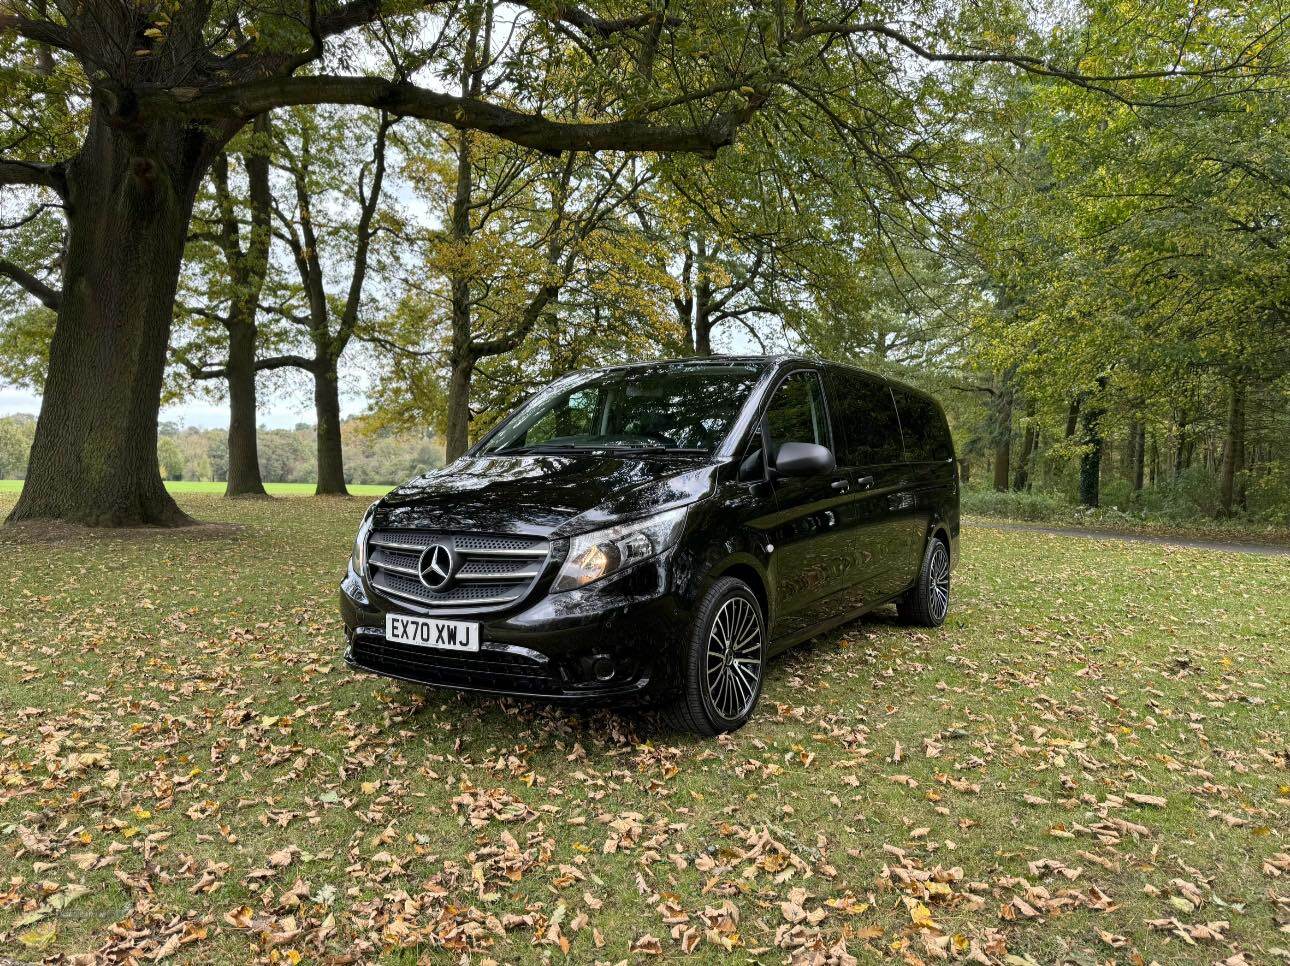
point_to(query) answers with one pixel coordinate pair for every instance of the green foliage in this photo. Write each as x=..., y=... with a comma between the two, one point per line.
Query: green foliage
x=373, y=455
x=171, y=458
x=16, y=433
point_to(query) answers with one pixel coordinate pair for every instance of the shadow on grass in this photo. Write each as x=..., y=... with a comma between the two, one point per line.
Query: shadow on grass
x=497, y=717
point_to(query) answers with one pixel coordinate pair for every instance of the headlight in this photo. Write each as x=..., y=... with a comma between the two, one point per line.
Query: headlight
x=603, y=552
x=358, y=557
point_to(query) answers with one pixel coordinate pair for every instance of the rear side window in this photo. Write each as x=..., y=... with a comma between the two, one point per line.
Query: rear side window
x=927, y=436
x=865, y=422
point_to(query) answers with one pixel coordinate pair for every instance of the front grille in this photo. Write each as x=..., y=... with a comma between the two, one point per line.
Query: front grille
x=490, y=570
x=498, y=669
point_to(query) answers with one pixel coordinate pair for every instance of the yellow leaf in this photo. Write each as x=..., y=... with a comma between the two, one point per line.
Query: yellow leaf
x=38, y=937
x=920, y=915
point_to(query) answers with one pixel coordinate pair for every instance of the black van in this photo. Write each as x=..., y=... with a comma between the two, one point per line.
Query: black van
x=658, y=531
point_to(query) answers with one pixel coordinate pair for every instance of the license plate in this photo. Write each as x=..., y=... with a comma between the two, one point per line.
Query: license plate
x=424, y=632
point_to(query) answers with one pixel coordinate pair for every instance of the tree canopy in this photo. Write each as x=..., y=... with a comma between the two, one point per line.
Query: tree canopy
x=937, y=186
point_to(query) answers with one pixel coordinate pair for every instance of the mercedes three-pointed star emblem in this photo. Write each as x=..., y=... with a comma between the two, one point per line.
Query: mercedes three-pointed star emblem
x=436, y=566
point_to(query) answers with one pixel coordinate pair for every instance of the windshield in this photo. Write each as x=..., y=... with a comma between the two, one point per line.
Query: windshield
x=685, y=407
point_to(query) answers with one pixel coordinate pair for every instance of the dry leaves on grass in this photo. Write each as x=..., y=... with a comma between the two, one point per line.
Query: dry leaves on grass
x=187, y=773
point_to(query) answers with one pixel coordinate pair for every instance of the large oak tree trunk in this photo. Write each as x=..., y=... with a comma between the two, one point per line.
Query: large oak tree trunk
x=243, y=448
x=331, y=460
x=129, y=200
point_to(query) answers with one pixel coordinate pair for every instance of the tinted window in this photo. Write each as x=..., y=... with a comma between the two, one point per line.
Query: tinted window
x=796, y=413
x=573, y=415
x=673, y=406
x=927, y=437
x=864, y=419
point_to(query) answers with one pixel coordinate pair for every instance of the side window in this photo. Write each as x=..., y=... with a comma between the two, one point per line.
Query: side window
x=796, y=413
x=865, y=419
x=574, y=416
x=927, y=437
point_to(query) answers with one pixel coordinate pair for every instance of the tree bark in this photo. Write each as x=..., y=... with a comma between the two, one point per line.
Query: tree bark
x=1090, y=463
x=243, y=447
x=1021, y=480
x=130, y=196
x=702, y=301
x=457, y=428
x=1139, y=431
x=247, y=269
x=1234, y=448
x=1003, y=444
x=1072, y=416
x=1180, y=451
x=331, y=460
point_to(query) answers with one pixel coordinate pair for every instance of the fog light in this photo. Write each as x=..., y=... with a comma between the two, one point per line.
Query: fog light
x=603, y=668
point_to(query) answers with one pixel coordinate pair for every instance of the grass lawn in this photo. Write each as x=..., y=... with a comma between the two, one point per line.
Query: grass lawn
x=1049, y=510
x=200, y=486
x=1088, y=763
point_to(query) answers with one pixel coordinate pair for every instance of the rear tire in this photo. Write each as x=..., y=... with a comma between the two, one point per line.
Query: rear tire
x=724, y=663
x=928, y=601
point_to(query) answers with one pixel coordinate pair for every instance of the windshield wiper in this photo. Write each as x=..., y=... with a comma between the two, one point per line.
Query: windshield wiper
x=654, y=448
x=544, y=448
x=642, y=448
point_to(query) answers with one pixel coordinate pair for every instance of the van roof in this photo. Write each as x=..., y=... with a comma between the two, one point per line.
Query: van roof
x=776, y=359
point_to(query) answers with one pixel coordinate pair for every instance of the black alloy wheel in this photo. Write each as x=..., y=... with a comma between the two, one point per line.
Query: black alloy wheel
x=928, y=601
x=724, y=662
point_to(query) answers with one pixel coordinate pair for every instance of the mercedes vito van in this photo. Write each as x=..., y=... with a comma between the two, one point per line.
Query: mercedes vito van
x=658, y=532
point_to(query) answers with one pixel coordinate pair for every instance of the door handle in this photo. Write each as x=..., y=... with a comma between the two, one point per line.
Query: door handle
x=842, y=486
x=864, y=482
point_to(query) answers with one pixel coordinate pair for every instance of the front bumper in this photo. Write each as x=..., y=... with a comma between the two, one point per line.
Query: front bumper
x=556, y=648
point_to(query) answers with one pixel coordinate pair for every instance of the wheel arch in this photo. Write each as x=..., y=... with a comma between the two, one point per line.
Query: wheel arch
x=939, y=529
x=745, y=568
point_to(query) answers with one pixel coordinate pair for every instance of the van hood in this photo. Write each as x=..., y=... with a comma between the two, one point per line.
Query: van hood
x=555, y=495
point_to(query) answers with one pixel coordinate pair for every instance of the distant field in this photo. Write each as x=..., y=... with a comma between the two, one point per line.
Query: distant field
x=277, y=489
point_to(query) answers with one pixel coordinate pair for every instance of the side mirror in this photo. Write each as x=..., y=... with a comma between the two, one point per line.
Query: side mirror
x=803, y=459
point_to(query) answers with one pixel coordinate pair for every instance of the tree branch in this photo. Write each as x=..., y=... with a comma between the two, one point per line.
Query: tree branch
x=368, y=205
x=50, y=298
x=285, y=362
x=1036, y=65
x=591, y=24
x=202, y=370
x=40, y=31
x=36, y=175
x=246, y=100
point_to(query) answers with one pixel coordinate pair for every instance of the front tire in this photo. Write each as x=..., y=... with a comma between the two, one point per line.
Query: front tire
x=724, y=662
x=928, y=601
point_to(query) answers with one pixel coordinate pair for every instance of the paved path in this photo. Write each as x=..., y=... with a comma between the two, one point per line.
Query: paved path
x=1269, y=549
